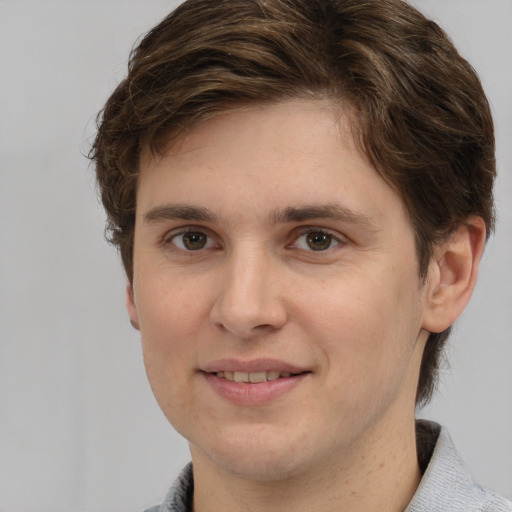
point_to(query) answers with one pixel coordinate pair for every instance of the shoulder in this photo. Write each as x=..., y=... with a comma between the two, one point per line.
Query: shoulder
x=179, y=497
x=447, y=484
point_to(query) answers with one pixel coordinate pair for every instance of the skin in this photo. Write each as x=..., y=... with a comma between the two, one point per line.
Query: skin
x=302, y=254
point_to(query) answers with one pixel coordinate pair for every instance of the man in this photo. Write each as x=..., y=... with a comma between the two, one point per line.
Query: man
x=301, y=191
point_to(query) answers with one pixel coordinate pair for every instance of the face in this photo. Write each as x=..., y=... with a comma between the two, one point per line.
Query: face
x=277, y=293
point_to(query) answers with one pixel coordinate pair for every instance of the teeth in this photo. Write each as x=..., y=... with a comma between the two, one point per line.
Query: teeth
x=254, y=377
x=241, y=377
x=258, y=377
x=273, y=375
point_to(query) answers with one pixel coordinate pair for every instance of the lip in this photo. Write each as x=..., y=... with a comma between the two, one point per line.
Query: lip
x=258, y=394
x=252, y=366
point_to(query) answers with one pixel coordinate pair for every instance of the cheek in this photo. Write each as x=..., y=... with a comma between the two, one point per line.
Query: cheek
x=171, y=323
x=169, y=360
x=171, y=308
x=366, y=325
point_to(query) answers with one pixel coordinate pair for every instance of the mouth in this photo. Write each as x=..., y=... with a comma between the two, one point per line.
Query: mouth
x=255, y=377
x=255, y=383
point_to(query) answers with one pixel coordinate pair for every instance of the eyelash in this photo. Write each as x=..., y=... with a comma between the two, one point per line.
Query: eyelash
x=333, y=241
x=336, y=239
x=169, y=238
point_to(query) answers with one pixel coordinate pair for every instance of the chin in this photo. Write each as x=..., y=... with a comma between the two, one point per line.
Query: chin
x=257, y=455
x=261, y=467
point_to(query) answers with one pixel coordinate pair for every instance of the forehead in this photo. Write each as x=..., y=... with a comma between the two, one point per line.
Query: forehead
x=269, y=157
x=224, y=126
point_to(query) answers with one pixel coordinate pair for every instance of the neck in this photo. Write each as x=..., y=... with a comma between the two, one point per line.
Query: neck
x=383, y=476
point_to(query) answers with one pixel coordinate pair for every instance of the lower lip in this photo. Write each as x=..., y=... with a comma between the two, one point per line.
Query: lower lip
x=242, y=393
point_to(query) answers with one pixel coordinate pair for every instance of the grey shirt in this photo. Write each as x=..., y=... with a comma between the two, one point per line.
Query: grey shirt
x=446, y=485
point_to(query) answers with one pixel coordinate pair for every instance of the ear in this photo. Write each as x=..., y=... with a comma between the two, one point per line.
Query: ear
x=452, y=275
x=131, y=307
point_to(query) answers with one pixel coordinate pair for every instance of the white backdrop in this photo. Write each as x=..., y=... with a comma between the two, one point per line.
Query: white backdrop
x=79, y=428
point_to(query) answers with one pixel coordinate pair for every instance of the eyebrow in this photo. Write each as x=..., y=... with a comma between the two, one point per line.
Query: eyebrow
x=281, y=216
x=328, y=211
x=182, y=212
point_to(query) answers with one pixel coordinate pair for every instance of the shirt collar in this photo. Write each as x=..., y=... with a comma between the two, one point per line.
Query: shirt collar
x=446, y=483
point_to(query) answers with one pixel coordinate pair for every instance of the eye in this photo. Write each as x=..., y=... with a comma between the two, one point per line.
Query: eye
x=316, y=240
x=191, y=240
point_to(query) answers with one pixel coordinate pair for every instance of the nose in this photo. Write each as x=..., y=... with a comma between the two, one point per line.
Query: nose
x=250, y=300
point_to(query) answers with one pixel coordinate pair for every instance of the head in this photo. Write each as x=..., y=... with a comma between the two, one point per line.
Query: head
x=418, y=112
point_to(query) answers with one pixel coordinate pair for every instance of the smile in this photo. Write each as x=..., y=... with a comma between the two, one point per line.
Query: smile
x=253, y=377
x=256, y=388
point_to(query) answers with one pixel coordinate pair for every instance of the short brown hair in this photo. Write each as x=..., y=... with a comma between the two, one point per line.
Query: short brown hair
x=422, y=117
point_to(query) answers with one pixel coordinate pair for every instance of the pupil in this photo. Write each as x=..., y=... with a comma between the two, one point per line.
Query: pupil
x=194, y=240
x=319, y=241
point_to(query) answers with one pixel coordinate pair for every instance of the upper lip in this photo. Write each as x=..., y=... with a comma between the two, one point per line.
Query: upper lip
x=252, y=366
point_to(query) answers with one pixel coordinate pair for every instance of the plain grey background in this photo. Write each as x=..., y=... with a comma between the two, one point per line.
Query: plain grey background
x=79, y=428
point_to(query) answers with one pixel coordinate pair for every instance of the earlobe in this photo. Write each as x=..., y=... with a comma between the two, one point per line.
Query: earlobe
x=131, y=307
x=452, y=275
